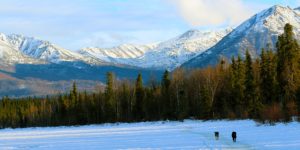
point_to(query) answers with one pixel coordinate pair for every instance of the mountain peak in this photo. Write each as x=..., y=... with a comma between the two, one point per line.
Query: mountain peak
x=254, y=34
x=278, y=7
x=189, y=34
x=164, y=55
x=273, y=18
x=3, y=37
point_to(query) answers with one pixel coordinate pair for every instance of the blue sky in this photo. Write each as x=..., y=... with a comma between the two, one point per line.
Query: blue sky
x=75, y=24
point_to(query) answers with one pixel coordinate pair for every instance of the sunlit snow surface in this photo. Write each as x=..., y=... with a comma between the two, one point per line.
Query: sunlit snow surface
x=155, y=135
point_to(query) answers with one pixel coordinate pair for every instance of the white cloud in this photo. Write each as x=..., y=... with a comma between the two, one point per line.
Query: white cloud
x=212, y=12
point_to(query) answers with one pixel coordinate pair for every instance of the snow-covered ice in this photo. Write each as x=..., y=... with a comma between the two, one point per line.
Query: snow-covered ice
x=156, y=135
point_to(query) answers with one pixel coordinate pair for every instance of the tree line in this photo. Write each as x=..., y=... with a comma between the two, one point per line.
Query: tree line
x=266, y=89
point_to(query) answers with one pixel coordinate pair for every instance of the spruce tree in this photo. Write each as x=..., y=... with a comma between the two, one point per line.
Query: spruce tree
x=109, y=85
x=249, y=80
x=165, y=83
x=166, y=99
x=233, y=80
x=205, y=107
x=73, y=94
x=74, y=89
x=268, y=73
x=237, y=85
x=125, y=102
x=251, y=102
x=287, y=67
x=139, y=98
x=110, y=102
x=264, y=87
x=73, y=97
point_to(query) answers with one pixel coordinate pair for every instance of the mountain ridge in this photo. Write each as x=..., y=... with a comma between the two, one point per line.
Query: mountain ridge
x=164, y=55
x=160, y=56
x=256, y=33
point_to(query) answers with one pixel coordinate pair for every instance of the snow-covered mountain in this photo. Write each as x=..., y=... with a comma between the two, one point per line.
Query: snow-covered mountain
x=159, y=56
x=174, y=52
x=9, y=55
x=29, y=66
x=25, y=58
x=24, y=48
x=192, y=49
x=254, y=34
x=118, y=55
x=164, y=55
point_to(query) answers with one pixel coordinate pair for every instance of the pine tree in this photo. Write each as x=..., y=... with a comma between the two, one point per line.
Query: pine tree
x=233, y=80
x=264, y=87
x=74, y=90
x=249, y=81
x=287, y=68
x=268, y=73
x=165, y=83
x=125, y=102
x=237, y=85
x=110, y=101
x=73, y=94
x=139, y=98
x=109, y=86
x=166, y=99
x=251, y=102
x=288, y=54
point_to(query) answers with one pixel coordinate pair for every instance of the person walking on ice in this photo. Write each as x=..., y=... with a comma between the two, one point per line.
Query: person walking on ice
x=233, y=135
x=217, y=135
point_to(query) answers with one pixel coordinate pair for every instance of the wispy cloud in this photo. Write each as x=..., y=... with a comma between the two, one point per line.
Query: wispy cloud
x=212, y=12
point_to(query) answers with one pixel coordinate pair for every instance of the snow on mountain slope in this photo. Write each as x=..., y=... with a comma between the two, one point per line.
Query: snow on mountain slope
x=165, y=55
x=125, y=51
x=172, y=53
x=272, y=19
x=43, y=50
x=254, y=34
x=9, y=55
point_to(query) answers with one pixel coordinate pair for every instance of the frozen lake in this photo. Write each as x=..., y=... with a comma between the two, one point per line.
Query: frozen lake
x=156, y=135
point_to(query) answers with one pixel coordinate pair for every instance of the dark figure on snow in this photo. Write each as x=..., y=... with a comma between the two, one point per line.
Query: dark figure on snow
x=233, y=136
x=217, y=135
